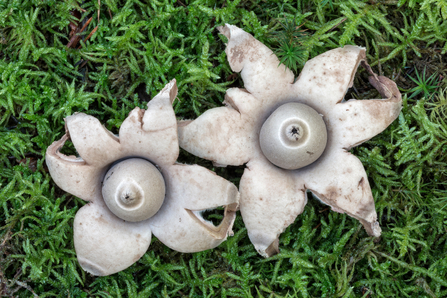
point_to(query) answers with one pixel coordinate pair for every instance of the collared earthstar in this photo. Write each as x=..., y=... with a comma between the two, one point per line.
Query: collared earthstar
x=293, y=135
x=135, y=188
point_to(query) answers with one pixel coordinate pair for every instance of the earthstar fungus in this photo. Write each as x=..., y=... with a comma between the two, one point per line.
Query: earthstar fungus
x=135, y=188
x=282, y=162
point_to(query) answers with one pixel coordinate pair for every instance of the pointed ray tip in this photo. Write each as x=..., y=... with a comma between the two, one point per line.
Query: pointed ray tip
x=372, y=228
x=376, y=231
x=173, y=89
x=167, y=88
x=225, y=30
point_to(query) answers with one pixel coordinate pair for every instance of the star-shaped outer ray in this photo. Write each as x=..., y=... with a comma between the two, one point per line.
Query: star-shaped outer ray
x=271, y=198
x=106, y=244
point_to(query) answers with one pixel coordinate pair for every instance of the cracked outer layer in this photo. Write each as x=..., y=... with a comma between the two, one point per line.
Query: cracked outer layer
x=271, y=198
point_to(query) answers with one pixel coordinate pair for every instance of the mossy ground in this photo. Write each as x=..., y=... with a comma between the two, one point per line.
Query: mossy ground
x=137, y=48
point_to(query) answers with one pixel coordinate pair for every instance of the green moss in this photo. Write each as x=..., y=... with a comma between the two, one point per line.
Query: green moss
x=138, y=47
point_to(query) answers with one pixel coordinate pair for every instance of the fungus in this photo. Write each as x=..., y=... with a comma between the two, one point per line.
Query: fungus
x=135, y=188
x=293, y=137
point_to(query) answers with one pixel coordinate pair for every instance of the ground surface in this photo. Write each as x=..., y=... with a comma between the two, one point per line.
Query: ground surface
x=135, y=49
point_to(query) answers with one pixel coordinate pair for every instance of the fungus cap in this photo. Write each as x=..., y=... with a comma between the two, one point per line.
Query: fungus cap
x=133, y=189
x=293, y=136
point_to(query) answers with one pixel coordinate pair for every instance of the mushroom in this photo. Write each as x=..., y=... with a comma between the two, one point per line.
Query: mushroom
x=135, y=188
x=293, y=136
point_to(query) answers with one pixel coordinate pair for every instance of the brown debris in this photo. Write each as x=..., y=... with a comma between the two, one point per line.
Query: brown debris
x=31, y=161
x=76, y=29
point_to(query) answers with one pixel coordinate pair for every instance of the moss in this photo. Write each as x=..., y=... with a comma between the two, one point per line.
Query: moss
x=138, y=46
